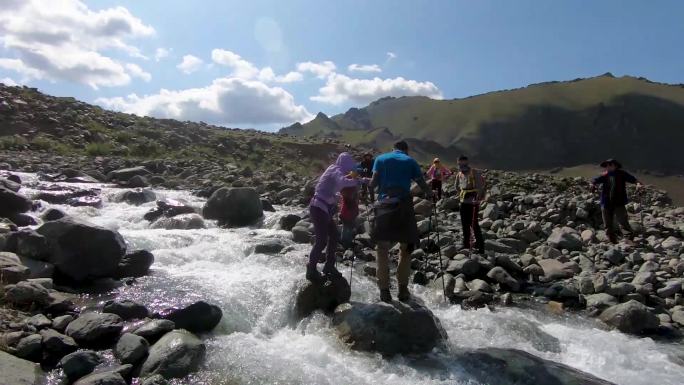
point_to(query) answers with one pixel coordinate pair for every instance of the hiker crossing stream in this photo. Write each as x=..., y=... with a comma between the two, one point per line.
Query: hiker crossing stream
x=255, y=342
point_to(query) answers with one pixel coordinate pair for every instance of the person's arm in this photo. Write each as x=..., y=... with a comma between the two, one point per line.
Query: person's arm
x=431, y=172
x=375, y=180
x=420, y=180
x=598, y=180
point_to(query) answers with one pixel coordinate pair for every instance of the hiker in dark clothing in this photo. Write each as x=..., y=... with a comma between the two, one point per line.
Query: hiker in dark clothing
x=365, y=170
x=613, y=183
x=471, y=188
x=395, y=219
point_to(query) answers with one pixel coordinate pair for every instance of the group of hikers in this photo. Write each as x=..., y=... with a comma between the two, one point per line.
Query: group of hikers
x=391, y=175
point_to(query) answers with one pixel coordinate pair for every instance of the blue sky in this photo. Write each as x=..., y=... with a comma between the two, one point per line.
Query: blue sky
x=268, y=63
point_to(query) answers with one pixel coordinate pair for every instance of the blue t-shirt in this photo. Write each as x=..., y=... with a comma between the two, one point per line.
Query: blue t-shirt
x=395, y=171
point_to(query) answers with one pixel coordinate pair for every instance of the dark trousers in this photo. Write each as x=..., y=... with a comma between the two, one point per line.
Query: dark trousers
x=367, y=193
x=436, y=186
x=611, y=214
x=326, y=233
x=468, y=220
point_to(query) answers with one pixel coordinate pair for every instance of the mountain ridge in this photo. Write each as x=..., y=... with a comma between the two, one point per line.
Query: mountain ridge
x=564, y=121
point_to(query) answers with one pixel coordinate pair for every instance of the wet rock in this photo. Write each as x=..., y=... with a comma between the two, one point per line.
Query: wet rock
x=565, y=238
x=156, y=379
x=131, y=349
x=554, y=269
x=52, y=215
x=234, y=206
x=525, y=368
x=153, y=330
x=471, y=300
x=95, y=329
x=12, y=203
x=38, y=321
x=26, y=293
x=136, y=197
x=467, y=267
x=301, y=234
x=137, y=181
x=180, y=222
x=16, y=371
x=198, y=317
x=500, y=275
x=56, y=345
x=60, y=323
x=82, y=251
x=389, y=329
x=325, y=296
x=287, y=222
x=175, y=355
x=267, y=206
x=135, y=264
x=630, y=317
x=126, y=309
x=28, y=243
x=30, y=348
x=79, y=364
x=108, y=377
x=168, y=208
x=614, y=255
x=271, y=246
x=11, y=269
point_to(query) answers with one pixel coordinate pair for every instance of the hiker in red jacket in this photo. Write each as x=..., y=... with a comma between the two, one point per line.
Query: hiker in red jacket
x=613, y=183
x=349, y=211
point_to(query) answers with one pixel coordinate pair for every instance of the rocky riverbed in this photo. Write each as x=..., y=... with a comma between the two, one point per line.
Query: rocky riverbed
x=227, y=286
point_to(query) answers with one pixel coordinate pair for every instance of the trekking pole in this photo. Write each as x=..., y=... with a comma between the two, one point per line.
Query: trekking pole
x=439, y=255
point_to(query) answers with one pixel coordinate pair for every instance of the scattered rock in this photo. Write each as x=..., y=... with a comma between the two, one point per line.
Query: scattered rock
x=78, y=364
x=131, y=349
x=565, y=238
x=126, y=309
x=199, y=317
x=630, y=317
x=95, y=329
x=136, y=197
x=135, y=264
x=153, y=330
x=325, y=296
x=177, y=354
x=16, y=371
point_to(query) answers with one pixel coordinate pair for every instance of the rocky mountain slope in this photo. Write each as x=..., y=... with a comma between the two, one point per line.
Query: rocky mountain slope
x=48, y=126
x=541, y=126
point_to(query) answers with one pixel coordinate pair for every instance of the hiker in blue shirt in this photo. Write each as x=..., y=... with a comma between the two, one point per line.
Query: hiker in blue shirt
x=395, y=219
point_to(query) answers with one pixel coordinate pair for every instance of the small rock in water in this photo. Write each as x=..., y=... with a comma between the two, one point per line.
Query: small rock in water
x=198, y=317
x=95, y=328
x=175, y=355
x=79, y=364
x=630, y=317
x=126, y=309
x=325, y=296
x=135, y=264
x=131, y=349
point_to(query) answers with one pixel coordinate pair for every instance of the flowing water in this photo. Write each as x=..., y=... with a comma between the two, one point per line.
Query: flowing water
x=254, y=343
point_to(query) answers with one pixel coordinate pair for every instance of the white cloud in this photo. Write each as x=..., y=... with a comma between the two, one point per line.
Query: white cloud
x=321, y=69
x=8, y=82
x=340, y=89
x=244, y=69
x=364, y=68
x=161, y=53
x=65, y=40
x=138, y=72
x=391, y=55
x=241, y=67
x=190, y=64
x=227, y=101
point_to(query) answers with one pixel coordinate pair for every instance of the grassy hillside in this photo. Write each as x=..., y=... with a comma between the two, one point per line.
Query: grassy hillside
x=539, y=126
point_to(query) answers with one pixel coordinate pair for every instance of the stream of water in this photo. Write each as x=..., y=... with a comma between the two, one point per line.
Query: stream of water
x=254, y=343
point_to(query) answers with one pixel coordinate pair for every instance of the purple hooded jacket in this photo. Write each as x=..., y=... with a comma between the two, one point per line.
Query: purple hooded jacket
x=332, y=181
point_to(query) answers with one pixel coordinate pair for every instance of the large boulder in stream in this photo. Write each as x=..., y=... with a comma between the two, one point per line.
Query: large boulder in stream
x=389, y=329
x=325, y=296
x=82, y=251
x=175, y=355
x=510, y=366
x=234, y=206
x=136, y=196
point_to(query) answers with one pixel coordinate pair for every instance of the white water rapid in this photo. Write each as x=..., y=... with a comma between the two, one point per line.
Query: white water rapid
x=254, y=344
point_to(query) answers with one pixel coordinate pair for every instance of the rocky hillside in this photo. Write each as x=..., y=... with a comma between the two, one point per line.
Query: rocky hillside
x=48, y=126
x=541, y=126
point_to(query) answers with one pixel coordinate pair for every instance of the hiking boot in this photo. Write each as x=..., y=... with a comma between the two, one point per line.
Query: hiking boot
x=331, y=271
x=312, y=274
x=385, y=296
x=404, y=294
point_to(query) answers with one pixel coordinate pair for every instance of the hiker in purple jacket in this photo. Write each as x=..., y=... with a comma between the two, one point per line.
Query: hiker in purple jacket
x=322, y=210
